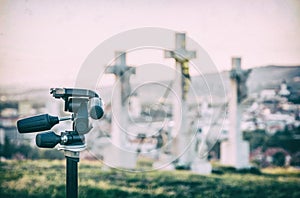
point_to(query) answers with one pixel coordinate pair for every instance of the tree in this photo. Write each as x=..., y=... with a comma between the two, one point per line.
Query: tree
x=285, y=140
x=279, y=159
x=256, y=138
x=8, y=149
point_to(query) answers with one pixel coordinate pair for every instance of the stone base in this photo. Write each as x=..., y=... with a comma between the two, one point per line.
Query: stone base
x=235, y=155
x=164, y=163
x=201, y=166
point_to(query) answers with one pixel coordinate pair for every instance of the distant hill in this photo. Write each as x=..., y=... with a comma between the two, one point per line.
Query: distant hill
x=272, y=76
x=267, y=77
x=260, y=78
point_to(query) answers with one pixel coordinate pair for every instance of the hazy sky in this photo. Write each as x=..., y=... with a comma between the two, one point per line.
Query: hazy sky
x=44, y=43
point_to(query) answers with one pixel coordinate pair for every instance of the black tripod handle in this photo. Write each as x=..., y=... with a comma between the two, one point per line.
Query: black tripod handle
x=47, y=139
x=37, y=123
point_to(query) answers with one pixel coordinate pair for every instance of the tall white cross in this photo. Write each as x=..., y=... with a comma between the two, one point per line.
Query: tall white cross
x=180, y=108
x=235, y=151
x=119, y=104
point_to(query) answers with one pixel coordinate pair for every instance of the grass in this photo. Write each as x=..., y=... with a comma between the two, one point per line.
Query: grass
x=47, y=179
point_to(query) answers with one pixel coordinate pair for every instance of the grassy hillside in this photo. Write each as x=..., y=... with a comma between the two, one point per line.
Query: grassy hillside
x=47, y=179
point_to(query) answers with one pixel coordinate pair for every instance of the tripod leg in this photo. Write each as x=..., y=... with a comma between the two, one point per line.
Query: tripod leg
x=72, y=177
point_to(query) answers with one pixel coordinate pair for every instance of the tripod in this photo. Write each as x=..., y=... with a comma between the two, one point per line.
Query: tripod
x=83, y=104
x=72, y=159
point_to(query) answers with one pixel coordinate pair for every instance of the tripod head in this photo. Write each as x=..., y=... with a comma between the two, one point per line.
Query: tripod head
x=82, y=103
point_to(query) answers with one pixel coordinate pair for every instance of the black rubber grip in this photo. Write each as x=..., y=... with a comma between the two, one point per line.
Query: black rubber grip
x=47, y=139
x=37, y=123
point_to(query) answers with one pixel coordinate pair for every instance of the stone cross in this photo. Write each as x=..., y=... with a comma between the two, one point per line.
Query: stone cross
x=180, y=108
x=119, y=155
x=235, y=151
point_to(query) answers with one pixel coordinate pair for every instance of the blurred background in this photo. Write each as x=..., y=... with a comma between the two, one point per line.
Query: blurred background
x=43, y=44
